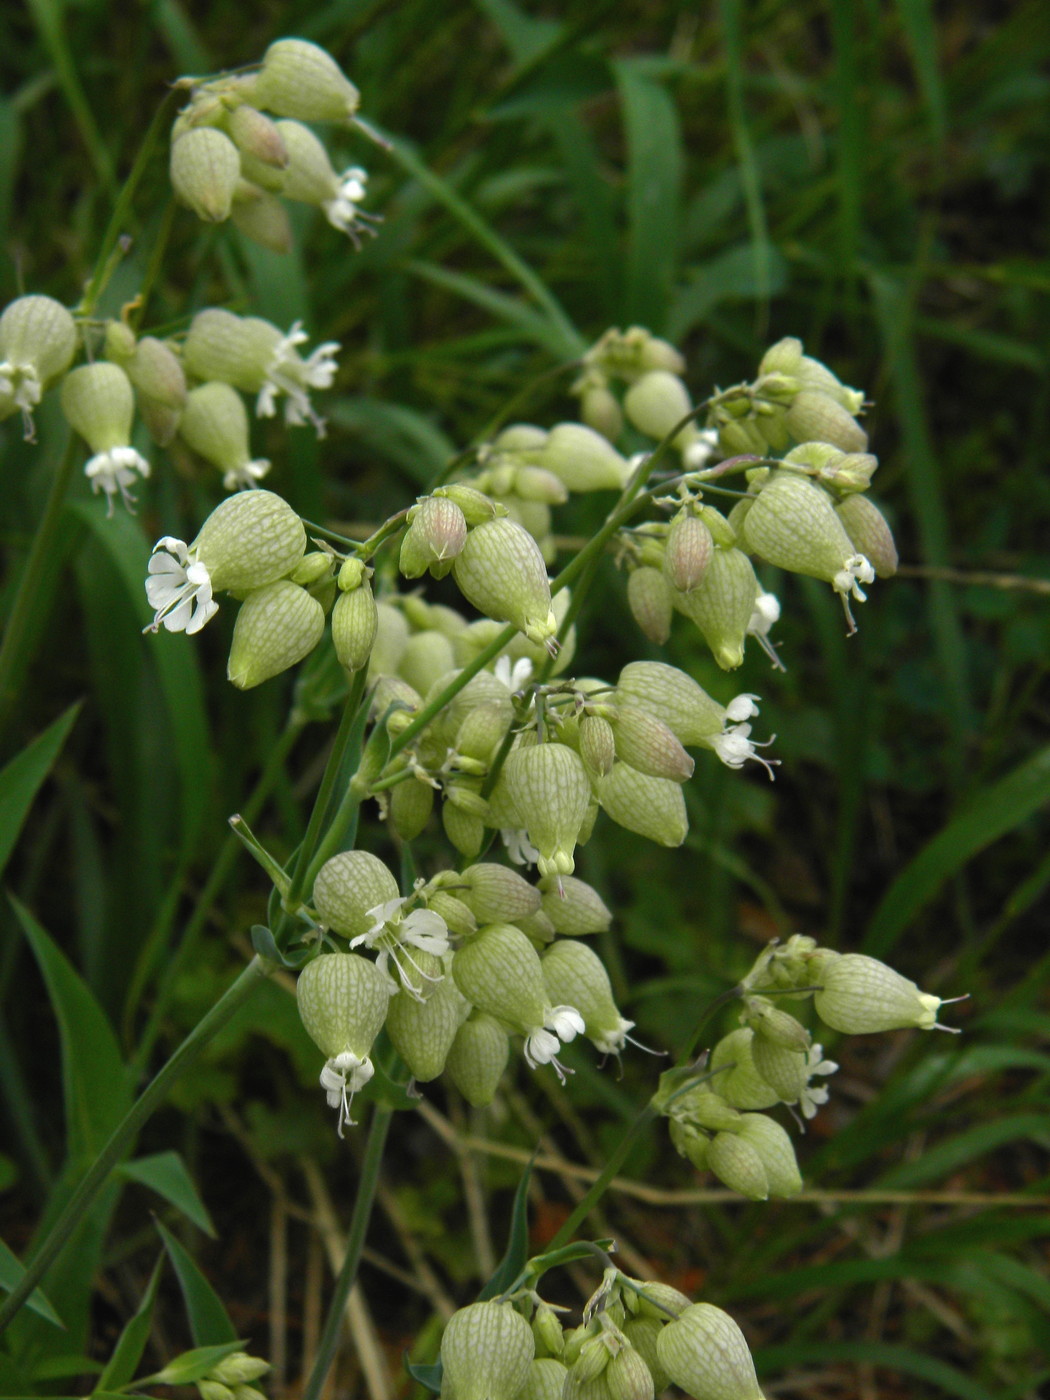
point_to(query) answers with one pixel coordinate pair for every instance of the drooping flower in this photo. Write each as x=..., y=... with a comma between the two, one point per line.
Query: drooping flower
x=392, y=931
x=813, y=1095
x=99, y=403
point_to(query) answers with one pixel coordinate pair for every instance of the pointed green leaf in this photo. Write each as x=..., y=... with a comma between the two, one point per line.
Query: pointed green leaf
x=20, y=781
x=193, y=1365
x=131, y=1343
x=95, y=1083
x=654, y=185
x=11, y=1272
x=513, y=1261
x=210, y=1325
x=165, y=1173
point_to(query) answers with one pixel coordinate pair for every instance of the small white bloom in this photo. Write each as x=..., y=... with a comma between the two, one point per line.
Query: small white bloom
x=742, y=707
x=341, y=1078
x=734, y=747
x=855, y=571
x=178, y=589
x=115, y=471
x=813, y=1095
x=519, y=848
x=392, y=931
x=566, y=1022
x=699, y=451
x=244, y=478
x=20, y=385
x=561, y=1024
x=514, y=675
x=343, y=209
x=766, y=612
x=289, y=374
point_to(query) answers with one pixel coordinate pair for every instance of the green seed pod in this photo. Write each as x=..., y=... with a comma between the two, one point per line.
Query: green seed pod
x=214, y=1390
x=301, y=80
x=658, y=401
x=705, y=1353
x=783, y=1070
x=776, y=1151
x=537, y=928
x=422, y=1032
x=308, y=177
x=649, y=745
x=261, y=217
x=549, y=1335
x=673, y=697
x=486, y=1352
x=722, y=605
x=651, y=807
x=549, y=787
x=276, y=626
x=477, y=508
x=771, y=1023
x=815, y=375
x=742, y=1085
x=482, y=732
x=237, y=350
x=250, y=540
x=343, y=1000
x=689, y=1142
x=534, y=486
x=160, y=386
x=205, y=168
x=477, y=1058
x=642, y=1332
x=355, y=621
x=576, y=976
x=793, y=524
x=239, y=1369
x=869, y=533
x=546, y=1378
x=501, y=571
x=785, y=357
x=459, y=918
x=600, y=411
x=256, y=136
x=860, y=996
x=706, y=1109
x=688, y=551
x=98, y=403
x=582, y=459
x=436, y=533
x=597, y=745
x=627, y=1377
x=574, y=908
x=465, y=830
x=737, y=1164
x=649, y=598
x=347, y=887
x=495, y=894
x=214, y=423
x=411, y=804
x=816, y=417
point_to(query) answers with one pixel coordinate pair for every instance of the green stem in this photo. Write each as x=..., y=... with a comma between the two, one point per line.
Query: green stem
x=601, y=1184
x=113, y=1152
x=366, y=1190
x=24, y=611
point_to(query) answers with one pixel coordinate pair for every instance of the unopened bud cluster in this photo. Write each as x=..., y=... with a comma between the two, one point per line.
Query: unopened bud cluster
x=636, y=1339
x=239, y=147
x=717, y=1120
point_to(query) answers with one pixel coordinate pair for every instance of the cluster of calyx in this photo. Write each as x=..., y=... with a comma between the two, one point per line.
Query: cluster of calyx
x=716, y=1116
x=794, y=436
x=452, y=971
x=230, y=160
x=231, y=1378
x=636, y=1339
x=184, y=389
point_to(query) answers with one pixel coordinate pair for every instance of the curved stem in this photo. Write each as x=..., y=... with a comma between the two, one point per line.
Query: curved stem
x=113, y=1152
x=24, y=611
x=366, y=1190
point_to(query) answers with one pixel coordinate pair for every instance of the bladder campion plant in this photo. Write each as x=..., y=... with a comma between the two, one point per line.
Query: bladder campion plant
x=484, y=719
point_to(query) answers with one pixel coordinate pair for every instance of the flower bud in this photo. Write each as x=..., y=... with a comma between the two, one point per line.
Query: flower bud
x=574, y=908
x=546, y=1378
x=649, y=745
x=214, y=1390
x=497, y=894
x=261, y=217
x=477, y=508
x=736, y=1163
x=250, y=540
x=308, y=177
x=348, y=887
x=459, y=918
x=597, y=745
x=600, y=410
x=501, y=571
x=722, y=605
x=642, y=1332
x=343, y=1000
x=464, y=829
x=437, y=532
x=784, y=1070
x=704, y=1352
x=477, y=1058
x=771, y=1023
x=256, y=136
x=815, y=417
x=734, y=1075
x=582, y=459
x=658, y=401
x=422, y=1032
x=411, y=803
x=649, y=598
x=486, y=1352
x=815, y=375
x=205, y=168
x=276, y=626
x=239, y=1369
x=99, y=403
x=160, y=384
x=215, y=424
x=784, y=357
x=860, y=995
x=688, y=551
x=549, y=787
x=301, y=80
x=869, y=533
x=355, y=620
x=575, y=975
x=651, y=807
x=689, y=1142
x=627, y=1377
x=775, y=1150
x=704, y=1108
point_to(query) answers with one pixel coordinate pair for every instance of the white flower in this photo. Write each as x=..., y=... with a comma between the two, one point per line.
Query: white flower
x=178, y=589
x=699, y=451
x=393, y=931
x=855, y=571
x=811, y=1096
x=514, y=675
x=244, y=477
x=114, y=471
x=341, y=1078
x=766, y=612
x=561, y=1024
x=519, y=848
x=289, y=374
x=342, y=210
x=20, y=385
x=734, y=748
x=742, y=707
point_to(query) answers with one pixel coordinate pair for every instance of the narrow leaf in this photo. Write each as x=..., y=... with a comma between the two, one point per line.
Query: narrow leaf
x=11, y=1272
x=165, y=1173
x=654, y=186
x=131, y=1344
x=210, y=1325
x=21, y=780
x=513, y=1261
